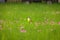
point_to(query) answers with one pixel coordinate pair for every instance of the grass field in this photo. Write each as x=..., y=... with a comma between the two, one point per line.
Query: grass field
x=45, y=24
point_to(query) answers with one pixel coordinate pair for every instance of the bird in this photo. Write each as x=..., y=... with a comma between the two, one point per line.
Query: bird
x=29, y=19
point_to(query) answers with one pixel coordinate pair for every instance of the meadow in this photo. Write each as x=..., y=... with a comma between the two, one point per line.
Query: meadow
x=44, y=25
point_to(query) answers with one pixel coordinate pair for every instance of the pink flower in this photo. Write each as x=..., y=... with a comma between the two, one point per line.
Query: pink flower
x=23, y=31
x=59, y=23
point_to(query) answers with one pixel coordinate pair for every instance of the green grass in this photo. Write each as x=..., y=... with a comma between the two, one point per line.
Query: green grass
x=13, y=15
